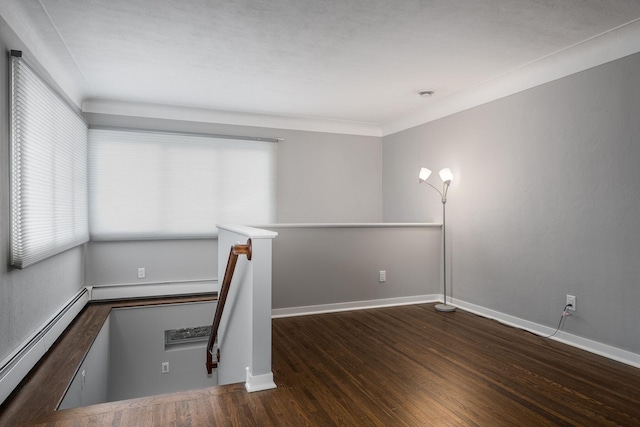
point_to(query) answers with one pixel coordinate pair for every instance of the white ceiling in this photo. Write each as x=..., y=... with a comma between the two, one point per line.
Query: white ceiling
x=346, y=60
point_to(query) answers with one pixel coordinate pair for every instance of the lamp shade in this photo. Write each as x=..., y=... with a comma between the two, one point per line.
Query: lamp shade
x=446, y=176
x=424, y=174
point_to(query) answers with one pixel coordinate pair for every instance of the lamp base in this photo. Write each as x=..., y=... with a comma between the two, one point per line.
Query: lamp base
x=445, y=308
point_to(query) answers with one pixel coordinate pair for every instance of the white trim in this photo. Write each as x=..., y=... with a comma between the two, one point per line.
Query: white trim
x=609, y=46
x=202, y=115
x=254, y=233
x=148, y=290
x=21, y=20
x=355, y=305
x=259, y=382
x=591, y=346
x=356, y=225
x=261, y=230
x=11, y=376
x=18, y=364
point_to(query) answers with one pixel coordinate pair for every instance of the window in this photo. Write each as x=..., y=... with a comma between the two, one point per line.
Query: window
x=155, y=185
x=48, y=170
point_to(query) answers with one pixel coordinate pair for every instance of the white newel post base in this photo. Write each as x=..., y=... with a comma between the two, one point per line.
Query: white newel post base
x=259, y=382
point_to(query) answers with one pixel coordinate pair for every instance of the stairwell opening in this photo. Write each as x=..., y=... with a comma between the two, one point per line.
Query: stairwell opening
x=145, y=351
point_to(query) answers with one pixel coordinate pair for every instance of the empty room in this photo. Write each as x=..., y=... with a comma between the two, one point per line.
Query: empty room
x=288, y=213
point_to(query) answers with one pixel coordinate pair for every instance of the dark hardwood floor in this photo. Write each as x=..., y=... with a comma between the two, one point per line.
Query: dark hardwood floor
x=398, y=366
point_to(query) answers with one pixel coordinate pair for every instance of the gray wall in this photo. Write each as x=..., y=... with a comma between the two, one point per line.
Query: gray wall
x=164, y=261
x=125, y=361
x=137, y=351
x=322, y=177
x=330, y=265
x=27, y=297
x=545, y=200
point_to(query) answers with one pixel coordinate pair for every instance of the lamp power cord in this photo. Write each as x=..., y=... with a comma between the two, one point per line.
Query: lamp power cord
x=564, y=315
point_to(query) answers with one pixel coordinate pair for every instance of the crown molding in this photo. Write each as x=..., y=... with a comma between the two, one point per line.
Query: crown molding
x=61, y=72
x=202, y=115
x=609, y=46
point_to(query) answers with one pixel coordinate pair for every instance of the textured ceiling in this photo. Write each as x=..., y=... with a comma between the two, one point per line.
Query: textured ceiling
x=349, y=60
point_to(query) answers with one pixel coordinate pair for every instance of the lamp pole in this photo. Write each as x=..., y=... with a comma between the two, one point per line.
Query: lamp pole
x=446, y=176
x=444, y=307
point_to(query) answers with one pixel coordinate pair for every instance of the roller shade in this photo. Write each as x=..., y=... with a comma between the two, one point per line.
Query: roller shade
x=157, y=185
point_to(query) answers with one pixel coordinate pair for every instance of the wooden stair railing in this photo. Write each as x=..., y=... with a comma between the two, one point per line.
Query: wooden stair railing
x=222, y=298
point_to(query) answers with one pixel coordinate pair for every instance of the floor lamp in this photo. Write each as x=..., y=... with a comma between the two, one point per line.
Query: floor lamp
x=446, y=176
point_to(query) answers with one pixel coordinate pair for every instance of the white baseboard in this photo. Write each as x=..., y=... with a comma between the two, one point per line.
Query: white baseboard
x=355, y=305
x=259, y=382
x=149, y=290
x=18, y=364
x=591, y=346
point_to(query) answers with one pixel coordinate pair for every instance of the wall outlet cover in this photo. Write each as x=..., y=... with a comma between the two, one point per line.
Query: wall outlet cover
x=571, y=300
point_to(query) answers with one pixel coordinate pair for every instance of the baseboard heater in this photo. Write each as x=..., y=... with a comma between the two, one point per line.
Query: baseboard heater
x=18, y=364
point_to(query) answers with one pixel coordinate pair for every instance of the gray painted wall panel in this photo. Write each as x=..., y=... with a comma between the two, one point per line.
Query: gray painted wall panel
x=544, y=203
x=164, y=261
x=327, y=265
x=137, y=351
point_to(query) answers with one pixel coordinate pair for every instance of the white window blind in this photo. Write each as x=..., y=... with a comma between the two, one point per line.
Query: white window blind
x=153, y=185
x=48, y=170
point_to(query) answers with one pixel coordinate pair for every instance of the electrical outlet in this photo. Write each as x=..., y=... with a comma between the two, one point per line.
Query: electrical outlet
x=142, y=273
x=571, y=300
x=165, y=367
x=383, y=276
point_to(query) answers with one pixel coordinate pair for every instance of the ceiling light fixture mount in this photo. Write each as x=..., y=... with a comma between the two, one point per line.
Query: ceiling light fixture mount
x=426, y=93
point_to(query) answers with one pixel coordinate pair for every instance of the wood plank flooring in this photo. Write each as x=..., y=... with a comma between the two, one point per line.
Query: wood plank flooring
x=398, y=366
